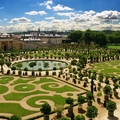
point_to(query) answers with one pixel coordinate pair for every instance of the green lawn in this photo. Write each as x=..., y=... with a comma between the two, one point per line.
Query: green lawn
x=57, y=99
x=5, y=79
x=22, y=81
x=55, y=87
x=24, y=87
x=110, y=67
x=20, y=96
x=14, y=108
x=3, y=89
x=44, y=80
x=113, y=47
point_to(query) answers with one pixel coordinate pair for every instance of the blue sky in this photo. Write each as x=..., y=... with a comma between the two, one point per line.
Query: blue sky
x=61, y=15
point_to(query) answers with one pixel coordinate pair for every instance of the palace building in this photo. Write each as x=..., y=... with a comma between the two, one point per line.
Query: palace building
x=32, y=40
x=6, y=41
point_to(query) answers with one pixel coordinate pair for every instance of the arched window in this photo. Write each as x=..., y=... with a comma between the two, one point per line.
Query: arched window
x=4, y=46
x=20, y=46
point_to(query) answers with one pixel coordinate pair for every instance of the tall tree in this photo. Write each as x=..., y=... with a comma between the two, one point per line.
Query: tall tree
x=75, y=36
x=101, y=39
x=88, y=36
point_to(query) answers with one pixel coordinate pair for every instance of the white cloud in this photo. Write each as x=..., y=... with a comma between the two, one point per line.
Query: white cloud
x=49, y=18
x=22, y=19
x=59, y=21
x=105, y=20
x=2, y=29
x=108, y=15
x=36, y=13
x=82, y=18
x=48, y=7
x=90, y=12
x=5, y=18
x=103, y=27
x=61, y=8
x=19, y=27
x=47, y=4
x=1, y=8
x=80, y=11
x=66, y=14
x=93, y=17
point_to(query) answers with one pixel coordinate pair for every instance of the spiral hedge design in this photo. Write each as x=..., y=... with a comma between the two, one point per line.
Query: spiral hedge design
x=27, y=95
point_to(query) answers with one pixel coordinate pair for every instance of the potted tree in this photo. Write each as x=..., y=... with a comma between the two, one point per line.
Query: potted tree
x=107, y=90
x=13, y=68
x=111, y=107
x=100, y=77
x=81, y=100
x=14, y=117
x=1, y=63
x=59, y=109
x=19, y=72
x=45, y=109
x=64, y=118
x=99, y=94
x=39, y=69
x=26, y=69
x=99, y=86
x=89, y=73
x=116, y=86
x=93, y=77
x=79, y=117
x=92, y=112
x=70, y=101
x=32, y=64
x=89, y=97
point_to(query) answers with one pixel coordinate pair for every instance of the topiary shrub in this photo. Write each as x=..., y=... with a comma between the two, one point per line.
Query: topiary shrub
x=19, y=72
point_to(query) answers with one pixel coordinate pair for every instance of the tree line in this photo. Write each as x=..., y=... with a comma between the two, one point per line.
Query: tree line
x=100, y=38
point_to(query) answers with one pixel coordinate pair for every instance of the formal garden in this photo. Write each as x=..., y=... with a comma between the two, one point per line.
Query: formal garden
x=86, y=76
x=24, y=96
x=88, y=81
